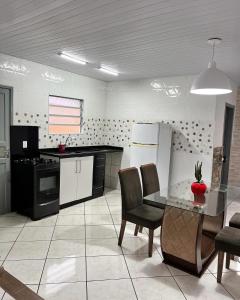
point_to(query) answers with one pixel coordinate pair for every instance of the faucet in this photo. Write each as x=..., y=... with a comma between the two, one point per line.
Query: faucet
x=67, y=140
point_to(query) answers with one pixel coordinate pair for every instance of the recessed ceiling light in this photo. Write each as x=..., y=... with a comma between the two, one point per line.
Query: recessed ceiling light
x=72, y=58
x=108, y=71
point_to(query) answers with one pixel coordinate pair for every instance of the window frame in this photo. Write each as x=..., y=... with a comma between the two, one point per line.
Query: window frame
x=80, y=116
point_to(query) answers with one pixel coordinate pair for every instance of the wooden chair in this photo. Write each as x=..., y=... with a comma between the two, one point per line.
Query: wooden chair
x=16, y=288
x=150, y=184
x=227, y=241
x=133, y=209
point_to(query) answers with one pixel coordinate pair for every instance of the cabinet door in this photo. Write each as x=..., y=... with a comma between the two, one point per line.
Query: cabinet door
x=68, y=180
x=84, y=176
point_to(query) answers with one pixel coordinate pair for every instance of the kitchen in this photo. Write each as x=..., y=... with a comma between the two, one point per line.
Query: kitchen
x=74, y=125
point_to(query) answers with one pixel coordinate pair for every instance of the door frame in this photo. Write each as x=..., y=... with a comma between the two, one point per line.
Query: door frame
x=231, y=106
x=10, y=89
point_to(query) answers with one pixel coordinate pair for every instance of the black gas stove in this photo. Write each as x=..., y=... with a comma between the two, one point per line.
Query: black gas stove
x=34, y=180
x=35, y=186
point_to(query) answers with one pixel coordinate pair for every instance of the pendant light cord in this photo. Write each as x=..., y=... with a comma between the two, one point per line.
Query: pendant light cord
x=213, y=51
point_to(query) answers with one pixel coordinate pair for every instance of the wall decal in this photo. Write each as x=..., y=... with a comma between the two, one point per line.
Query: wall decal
x=172, y=91
x=52, y=77
x=17, y=69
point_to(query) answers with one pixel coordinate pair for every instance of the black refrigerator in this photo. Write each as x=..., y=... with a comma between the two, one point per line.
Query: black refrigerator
x=23, y=142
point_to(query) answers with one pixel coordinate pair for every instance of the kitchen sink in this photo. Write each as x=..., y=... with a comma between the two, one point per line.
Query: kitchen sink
x=83, y=151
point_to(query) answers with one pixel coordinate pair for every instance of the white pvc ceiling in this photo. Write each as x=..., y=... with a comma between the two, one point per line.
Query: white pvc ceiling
x=139, y=38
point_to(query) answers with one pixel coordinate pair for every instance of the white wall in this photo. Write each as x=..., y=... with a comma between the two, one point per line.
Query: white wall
x=110, y=109
x=139, y=101
x=31, y=90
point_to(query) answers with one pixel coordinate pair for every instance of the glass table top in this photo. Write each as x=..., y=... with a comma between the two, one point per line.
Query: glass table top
x=212, y=203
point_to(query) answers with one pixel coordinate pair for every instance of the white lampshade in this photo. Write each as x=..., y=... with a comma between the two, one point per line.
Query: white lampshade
x=211, y=82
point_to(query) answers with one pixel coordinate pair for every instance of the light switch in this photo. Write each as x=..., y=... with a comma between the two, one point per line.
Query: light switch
x=25, y=144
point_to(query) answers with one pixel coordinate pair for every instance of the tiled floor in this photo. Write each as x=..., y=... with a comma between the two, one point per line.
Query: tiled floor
x=75, y=256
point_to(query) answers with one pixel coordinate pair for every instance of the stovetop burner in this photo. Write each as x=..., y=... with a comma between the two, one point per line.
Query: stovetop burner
x=35, y=161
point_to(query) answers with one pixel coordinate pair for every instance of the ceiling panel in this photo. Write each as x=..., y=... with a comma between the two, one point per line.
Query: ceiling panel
x=139, y=38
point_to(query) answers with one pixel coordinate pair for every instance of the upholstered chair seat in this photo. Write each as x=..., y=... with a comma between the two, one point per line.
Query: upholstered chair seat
x=235, y=221
x=227, y=240
x=146, y=216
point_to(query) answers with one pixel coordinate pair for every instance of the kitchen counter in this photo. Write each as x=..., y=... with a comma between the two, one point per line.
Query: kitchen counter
x=80, y=151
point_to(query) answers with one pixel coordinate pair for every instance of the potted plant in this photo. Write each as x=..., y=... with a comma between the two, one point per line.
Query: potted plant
x=198, y=187
x=61, y=148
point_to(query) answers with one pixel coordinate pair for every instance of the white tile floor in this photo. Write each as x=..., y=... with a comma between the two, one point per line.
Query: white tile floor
x=75, y=256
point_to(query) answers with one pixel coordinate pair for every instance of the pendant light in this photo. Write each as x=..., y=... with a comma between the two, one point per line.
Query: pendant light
x=212, y=81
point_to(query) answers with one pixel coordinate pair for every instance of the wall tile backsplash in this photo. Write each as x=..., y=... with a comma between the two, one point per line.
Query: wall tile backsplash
x=91, y=134
x=192, y=137
x=188, y=136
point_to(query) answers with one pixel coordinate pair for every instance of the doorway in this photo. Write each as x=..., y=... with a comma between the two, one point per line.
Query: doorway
x=227, y=139
x=5, y=120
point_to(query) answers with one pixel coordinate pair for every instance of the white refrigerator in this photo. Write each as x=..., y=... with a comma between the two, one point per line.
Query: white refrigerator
x=151, y=143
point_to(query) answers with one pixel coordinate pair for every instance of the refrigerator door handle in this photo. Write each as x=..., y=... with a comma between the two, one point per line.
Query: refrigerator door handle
x=139, y=145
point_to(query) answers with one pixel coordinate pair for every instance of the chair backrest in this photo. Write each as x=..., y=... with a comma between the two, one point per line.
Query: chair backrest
x=131, y=189
x=150, y=179
x=16, y=288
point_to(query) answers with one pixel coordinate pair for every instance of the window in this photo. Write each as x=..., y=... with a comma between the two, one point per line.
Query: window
x=65, y=115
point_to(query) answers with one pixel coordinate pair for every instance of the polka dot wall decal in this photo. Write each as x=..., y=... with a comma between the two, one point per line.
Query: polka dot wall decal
x=118, y=133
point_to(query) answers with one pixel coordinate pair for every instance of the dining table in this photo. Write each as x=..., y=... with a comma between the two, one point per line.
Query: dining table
x=191, y=222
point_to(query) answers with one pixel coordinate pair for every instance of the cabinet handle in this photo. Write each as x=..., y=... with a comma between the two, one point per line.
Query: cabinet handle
x=80, y=166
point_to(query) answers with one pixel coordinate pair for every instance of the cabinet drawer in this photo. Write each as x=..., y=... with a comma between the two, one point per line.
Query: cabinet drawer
x=99, y=172
x=99, y=159
x=98, y=192
x=98, y=182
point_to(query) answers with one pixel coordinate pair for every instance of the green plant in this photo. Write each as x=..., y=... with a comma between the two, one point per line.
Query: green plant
x=198, y=172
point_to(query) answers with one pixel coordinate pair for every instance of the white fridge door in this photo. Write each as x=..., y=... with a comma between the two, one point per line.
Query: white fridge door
x=145, y=133
x=143, y=154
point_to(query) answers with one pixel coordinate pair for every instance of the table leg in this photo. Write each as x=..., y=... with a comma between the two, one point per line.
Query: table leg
x=184, y=241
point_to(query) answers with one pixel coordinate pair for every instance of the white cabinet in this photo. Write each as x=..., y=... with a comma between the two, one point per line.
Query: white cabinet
x=68, y=180
x=76, y=175
x=84, y=176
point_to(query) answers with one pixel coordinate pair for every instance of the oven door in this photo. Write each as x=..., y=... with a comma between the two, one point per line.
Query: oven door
x=47, y=186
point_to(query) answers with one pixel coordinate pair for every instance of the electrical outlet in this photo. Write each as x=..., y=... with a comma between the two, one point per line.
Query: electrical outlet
x=25, y=144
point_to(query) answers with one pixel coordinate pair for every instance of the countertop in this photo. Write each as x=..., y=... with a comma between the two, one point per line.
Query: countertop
x=81, y=151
